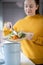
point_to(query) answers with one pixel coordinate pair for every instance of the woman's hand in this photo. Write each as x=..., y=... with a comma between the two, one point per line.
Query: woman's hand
x=7, y=28
x=8, y=25
x=29, y=35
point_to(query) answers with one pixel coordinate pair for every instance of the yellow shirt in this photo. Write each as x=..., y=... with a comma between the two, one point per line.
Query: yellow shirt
x=33, y=49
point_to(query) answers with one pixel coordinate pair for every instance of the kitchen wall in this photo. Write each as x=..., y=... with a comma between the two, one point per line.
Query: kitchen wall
x=1, y=26
x=11, y=12
x=1, y=19
x=1, y=16
x=41, y=7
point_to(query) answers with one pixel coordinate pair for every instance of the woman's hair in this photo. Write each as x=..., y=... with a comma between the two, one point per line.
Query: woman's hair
x=37, y=3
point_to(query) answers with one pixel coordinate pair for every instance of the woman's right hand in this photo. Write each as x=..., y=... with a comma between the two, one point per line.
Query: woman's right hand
x=7, y=28
x=8, y=25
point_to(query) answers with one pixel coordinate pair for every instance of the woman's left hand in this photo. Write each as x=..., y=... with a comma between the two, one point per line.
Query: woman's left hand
x=29, y=35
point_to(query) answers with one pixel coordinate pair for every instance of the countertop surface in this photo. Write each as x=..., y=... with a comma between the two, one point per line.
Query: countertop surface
x=22, y=64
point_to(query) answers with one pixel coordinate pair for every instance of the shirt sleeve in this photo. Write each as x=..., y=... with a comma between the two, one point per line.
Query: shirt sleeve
x=16, y=25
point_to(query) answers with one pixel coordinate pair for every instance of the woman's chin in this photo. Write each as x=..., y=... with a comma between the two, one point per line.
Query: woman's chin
x=30, y=14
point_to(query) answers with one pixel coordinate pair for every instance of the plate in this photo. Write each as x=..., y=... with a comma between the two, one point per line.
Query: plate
x=11, y=40
x=27, y=35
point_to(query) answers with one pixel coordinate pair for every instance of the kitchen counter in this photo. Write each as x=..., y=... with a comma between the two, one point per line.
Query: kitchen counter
x=23, y=64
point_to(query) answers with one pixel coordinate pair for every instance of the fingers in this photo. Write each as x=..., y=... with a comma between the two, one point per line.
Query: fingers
x=29, y=36
x=8, y=25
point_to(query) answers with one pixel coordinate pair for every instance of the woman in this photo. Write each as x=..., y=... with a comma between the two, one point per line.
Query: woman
x=33, y=22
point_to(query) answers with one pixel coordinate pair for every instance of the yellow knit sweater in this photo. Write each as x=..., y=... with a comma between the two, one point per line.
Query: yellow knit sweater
x=33, y=49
